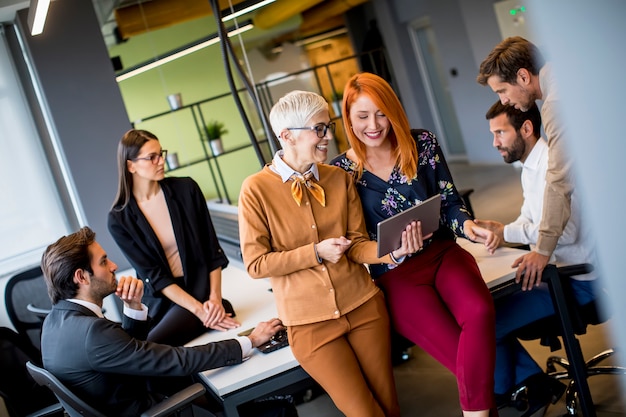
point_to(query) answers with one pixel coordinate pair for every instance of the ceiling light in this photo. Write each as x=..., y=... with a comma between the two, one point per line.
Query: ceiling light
x=314, y=39
x=185, y=50
x=37, y=15
x=247, y=10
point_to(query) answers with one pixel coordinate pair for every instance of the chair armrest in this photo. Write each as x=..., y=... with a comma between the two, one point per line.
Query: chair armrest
x=175, y=402
x=51, y=410
x=40, y=312
x=577, y=269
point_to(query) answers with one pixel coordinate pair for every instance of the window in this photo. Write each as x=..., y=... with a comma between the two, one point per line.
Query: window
x=31, y=213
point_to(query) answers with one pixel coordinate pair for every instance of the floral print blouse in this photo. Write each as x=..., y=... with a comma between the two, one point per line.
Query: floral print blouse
x=382, y=199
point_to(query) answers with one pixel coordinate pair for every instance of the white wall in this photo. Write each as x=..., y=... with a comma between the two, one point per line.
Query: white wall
x=585, y=40
x=465, y=33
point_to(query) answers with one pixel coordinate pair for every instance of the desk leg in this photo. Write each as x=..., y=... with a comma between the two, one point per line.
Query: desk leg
x=295, y=377
x=572, y=346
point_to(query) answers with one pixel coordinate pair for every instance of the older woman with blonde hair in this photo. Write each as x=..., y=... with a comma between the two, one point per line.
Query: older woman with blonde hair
x=301, y=225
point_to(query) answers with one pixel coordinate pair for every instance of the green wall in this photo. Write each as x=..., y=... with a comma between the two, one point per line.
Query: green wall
x=197, y=77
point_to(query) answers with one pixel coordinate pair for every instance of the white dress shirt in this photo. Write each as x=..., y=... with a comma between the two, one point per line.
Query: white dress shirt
x=575, y=245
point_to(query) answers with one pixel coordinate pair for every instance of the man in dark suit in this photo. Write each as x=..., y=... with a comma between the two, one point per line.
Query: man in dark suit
x=109, y=365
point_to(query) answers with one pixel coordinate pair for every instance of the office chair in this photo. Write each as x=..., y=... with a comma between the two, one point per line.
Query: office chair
x=76, y=407
x=465, y=195
x=27, y=302
x=569, y=321
x=22, y=396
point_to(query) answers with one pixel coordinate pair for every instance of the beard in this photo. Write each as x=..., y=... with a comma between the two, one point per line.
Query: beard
x=515, y=151
x=526, y=101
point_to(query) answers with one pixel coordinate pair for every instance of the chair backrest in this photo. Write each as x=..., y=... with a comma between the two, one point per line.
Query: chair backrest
x=548, y=329
x=27, y=302
x=21, y=394
x=73, y=405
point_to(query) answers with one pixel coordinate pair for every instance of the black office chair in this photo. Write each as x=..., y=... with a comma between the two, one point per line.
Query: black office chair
x=465, y=195
x=76, y=407
x=571, y=320
x=27, y=302
x=22, y=396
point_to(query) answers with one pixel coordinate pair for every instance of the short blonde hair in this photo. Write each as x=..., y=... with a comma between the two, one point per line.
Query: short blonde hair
x=295, y=109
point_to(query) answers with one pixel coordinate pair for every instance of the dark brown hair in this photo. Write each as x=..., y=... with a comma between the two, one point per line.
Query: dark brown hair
x=62, y=258
x=517, y=117
x=506, y=59
x=128, y=149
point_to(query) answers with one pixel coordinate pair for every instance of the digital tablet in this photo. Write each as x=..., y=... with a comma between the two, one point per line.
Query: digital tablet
x=389, y=231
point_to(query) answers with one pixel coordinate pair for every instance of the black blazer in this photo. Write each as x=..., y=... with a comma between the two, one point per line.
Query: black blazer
x=199, y=249
x=104, y=364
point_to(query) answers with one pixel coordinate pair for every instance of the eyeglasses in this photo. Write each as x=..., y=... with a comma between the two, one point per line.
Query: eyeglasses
x=320, y=129
x=153, y=157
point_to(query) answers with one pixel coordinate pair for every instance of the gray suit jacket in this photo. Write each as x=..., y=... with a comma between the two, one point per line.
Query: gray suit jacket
x=109, y=365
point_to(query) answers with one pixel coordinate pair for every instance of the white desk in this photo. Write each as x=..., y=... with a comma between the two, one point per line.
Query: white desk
x=253, y=302
x=496, y=269
x=262, y=373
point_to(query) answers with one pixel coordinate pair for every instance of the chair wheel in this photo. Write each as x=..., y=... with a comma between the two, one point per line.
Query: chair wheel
x=571, y=405
x=519, y=399
x=520, y=404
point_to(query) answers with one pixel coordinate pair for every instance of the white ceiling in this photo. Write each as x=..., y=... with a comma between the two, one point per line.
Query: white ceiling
x=9, y=7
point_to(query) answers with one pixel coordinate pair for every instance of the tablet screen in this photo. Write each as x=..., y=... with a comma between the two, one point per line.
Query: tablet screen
x=389, y=231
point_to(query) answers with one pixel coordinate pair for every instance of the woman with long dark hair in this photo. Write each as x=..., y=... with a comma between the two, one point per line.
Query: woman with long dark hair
x=164, y=228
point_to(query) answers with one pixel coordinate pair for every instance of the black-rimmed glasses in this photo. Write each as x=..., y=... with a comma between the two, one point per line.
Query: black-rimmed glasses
x=153, y=157
x=319, y=128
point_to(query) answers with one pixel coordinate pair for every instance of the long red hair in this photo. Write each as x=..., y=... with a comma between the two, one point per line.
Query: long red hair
x=386, y=100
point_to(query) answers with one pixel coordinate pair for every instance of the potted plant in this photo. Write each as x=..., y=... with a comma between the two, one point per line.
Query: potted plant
x=214, y=130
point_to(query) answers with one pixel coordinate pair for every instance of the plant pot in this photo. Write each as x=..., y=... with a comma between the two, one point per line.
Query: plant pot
x=172, y=161
x=336, y=105
x=216, y=146
x=175, y=101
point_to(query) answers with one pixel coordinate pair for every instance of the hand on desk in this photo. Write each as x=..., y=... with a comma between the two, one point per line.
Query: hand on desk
x=216, y=318
x=264, y=331
x=529, y=269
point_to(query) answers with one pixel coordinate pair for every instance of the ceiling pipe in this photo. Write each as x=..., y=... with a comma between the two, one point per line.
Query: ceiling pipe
x=280, y=11
x=156, y=14
x=319, y=15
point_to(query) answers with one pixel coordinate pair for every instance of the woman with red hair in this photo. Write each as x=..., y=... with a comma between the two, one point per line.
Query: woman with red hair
x=436, y=296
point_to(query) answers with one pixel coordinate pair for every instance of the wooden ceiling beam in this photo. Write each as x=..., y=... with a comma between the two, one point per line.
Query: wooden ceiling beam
x=158, y=14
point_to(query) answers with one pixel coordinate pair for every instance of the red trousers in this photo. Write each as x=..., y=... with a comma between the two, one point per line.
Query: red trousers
x=438, y=300
x=350, y=357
